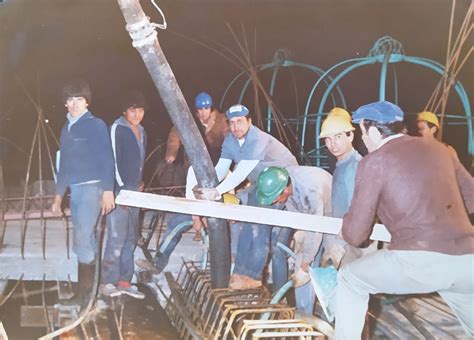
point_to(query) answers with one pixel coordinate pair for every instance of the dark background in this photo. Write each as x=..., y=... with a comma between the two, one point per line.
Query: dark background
x=44, y=43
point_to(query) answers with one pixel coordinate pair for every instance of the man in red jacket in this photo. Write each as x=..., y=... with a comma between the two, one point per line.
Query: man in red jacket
x=421, y=192
x=214, y=127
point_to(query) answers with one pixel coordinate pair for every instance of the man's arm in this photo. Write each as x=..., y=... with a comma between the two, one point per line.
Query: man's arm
x=358, y=222
x=466, y=185
x=222, y=168
x=230, y=182
x=243, y=169
x=172, y=146
x=105, y=157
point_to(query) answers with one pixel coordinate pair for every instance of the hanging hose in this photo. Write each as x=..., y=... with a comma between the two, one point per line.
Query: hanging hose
x=93, y=293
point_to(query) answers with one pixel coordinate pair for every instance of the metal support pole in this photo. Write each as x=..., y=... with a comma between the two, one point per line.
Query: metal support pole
x=145, y=40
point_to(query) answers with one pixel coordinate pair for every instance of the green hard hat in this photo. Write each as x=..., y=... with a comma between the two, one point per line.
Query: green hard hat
x=270, y=184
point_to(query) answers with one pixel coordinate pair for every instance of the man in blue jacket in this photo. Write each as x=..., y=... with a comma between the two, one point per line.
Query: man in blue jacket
x=86, y=166
x=129, y=144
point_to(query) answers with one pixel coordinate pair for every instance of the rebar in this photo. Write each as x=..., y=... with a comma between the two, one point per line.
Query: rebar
x=10, y=293
x=45, y=307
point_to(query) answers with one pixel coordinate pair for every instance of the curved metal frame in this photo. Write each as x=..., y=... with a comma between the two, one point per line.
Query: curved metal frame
x=276, y=65
x=385, y=59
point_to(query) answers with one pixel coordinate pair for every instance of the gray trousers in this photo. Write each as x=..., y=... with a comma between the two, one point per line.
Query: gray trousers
x=403, y=272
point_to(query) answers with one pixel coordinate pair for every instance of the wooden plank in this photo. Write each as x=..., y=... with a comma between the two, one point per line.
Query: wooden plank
x=323, y=224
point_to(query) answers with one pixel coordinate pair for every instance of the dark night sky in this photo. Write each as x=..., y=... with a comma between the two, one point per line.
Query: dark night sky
x=46, y=42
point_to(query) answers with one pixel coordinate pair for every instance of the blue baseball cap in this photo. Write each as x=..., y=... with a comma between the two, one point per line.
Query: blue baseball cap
x=382, y=112
x=237, y=111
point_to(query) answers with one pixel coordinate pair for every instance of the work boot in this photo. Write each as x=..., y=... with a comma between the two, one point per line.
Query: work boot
x=85, y=281
x=243, y=282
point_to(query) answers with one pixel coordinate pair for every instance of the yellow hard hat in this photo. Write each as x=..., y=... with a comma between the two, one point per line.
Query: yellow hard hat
x=230, y=198
x=429, y=117
x=340, y=112
x=334, y=124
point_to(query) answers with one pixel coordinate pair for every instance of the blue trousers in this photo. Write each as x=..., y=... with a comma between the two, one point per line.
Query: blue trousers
x=162, y=258
x=279, y=257
x=253, y=249
x=85, y=214
x=122, y=236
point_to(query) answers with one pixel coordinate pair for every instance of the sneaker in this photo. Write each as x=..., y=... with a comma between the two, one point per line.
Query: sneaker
x=130, y=290
x=147, y=265
x=324, y=282
x=108, y=289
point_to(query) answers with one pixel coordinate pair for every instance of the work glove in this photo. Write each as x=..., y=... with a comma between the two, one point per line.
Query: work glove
x=300, y=278
x=333, y=256
x=208, y=194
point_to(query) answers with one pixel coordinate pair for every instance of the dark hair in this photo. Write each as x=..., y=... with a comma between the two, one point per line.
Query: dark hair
x=386, y=129
x=77, y=88
x=134, y=99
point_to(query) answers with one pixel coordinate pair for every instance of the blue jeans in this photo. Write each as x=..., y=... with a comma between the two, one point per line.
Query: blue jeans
x=122, y=236
x=279, y=257
x=85, y=214
x=252, y=250
x=254, y=247
x=235, y=230
x=161, y=259
x=305, y=298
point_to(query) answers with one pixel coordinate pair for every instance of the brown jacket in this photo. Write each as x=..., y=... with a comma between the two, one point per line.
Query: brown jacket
x=217, y=128
x=420, y=191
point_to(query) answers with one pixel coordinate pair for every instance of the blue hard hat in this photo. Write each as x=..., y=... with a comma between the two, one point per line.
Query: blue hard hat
x=382, y=112
x=237, y=111
x=203, y=100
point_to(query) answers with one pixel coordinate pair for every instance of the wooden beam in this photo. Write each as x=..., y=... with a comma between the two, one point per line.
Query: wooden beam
x=281, y=218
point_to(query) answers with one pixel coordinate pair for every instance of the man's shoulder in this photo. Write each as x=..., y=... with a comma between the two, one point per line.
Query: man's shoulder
x=91, y=119
x=308, y=172
x=221, y=122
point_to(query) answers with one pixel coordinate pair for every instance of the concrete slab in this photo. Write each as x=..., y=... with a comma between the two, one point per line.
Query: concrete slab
x=43, y=257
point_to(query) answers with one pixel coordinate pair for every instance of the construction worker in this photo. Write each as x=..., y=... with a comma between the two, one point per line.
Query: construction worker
x=428, y=127
x=420, y=191
x=86, y=166
x=212, y=122
x=129, y=145
x=303, y=189
x=338, y=134
x=251, y=150
x=213, y=126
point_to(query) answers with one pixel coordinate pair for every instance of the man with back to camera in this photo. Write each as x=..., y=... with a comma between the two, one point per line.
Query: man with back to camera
x=421, y=192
